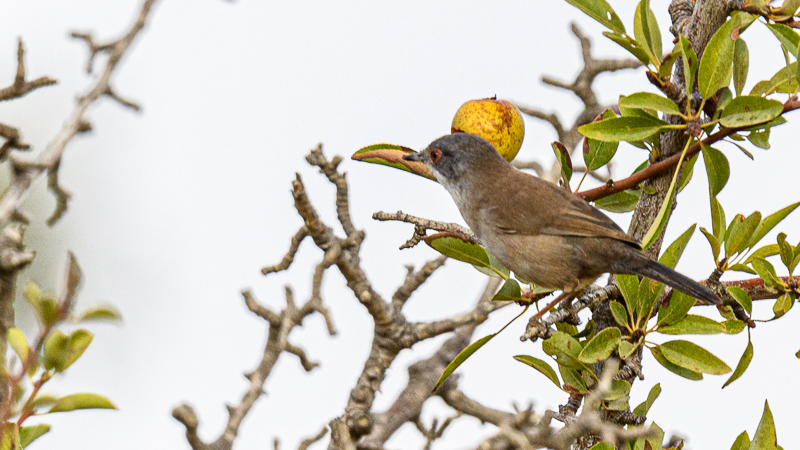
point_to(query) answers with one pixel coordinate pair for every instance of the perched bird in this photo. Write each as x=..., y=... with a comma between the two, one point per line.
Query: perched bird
x=541, y=232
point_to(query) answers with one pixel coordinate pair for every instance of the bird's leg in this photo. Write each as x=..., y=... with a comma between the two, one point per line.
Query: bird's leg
x=565, y=296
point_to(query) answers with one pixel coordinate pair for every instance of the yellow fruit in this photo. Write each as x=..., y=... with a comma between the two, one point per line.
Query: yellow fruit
x=497, y=121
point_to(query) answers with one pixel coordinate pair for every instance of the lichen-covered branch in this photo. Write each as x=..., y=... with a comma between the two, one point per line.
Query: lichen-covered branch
x=421, y=226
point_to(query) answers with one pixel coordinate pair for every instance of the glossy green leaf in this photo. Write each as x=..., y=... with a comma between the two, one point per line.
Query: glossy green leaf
x=748, y=110
x=10, y=439
x=81, y=401
x=646, y=32
x=693, y=357
x=509, y=292
x=564, y=348
x=769, y=222
x=573, y=382
x=624, y=129
x=765, y=437
x=600, y=346
x=600, y=153
x=19, y=343
x=648, y=100
x=741, y=65
x=744, y=362
x=689, y=63
x=788, y=38
x=100, y=313
x=717, y=168
x=742, y=298
x=630, y=45
x=675, y=308
x=55, y=351
x=742, y=442
x=645, y=406
x=686, y=373
x=30, y=434
x=621, y=202
x=619, y=313
x=600, y=11
x=541, y=366
x=716, y=66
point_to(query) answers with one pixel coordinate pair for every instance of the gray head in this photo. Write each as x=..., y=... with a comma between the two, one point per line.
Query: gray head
x=455, y=157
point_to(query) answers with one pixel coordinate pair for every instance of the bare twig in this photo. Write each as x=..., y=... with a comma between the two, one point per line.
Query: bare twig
x=20, y=87
x=422, y=225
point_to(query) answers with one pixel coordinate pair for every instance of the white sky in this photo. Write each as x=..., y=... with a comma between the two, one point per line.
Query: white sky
x=177, y=209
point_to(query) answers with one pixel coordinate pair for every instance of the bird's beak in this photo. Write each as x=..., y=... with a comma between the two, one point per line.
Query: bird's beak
x=413, y=157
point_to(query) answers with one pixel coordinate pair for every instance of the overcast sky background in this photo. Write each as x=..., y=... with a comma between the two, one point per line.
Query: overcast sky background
x=175, y=210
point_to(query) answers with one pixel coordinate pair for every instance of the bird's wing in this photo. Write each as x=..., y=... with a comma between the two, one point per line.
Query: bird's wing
x=543, y=208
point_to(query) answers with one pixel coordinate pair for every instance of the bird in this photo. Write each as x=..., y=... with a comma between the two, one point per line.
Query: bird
x=543, y=233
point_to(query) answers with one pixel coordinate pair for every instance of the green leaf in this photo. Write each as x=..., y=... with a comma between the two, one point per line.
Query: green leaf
x=55, y=351
x=665, y=69
x=392, y=155
x=742, y=442
x=630, y=45
x=693, y=357
x=717, y=219
x=688, y=171
x=761, y=87
x=564, y=348
x=43, y=304
x=742, y=298
x=573, y=383
x=739, y=267
x=588, y=330
x=11, y=438
x=673, y=253
x=733, y=326
x=81, y=401
x=629, y=287
x=644, y=407
x=713, y=241
x=509, y=292
x=600, y=153
x=689, y=63
x=78, y=341
x=100, y=313
x=600, y=346
x=30, y=434
x=744, y=362
x=19, y=343
x=626, y=348
x=648, y=100
x=765, y=437
x=686, y=373
x=782, y=305
x=541, y=366
x=624, y=129
x=747, y=110
x=764, y=252
x=600, y=11
x=457, y=249
x=646, y=32
x=769, y=223
x=787, y=252
x=741, y=65
x=693, y=324
x=619, y=313
x=767, y=272
x=602, y=446
x=623, y=201
x=717, y=168
x=675, y=308
x=660, y=221
x=740, y=236
x=784, y=81
x=716, y=66
x=759, y=139
x=788, y=38
x=564, y=160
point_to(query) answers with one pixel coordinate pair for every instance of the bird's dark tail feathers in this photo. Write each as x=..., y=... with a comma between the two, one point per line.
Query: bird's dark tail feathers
x=661, y=273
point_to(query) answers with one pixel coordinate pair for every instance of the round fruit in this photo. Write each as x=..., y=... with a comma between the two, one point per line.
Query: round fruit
x=497, y=121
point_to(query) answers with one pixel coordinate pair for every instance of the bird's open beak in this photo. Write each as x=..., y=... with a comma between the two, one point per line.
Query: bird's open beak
x=413, y=157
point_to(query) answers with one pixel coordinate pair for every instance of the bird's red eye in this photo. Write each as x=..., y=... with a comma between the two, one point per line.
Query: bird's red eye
x=436, y=155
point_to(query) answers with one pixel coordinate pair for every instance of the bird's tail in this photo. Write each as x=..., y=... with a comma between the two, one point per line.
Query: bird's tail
x=654, y=270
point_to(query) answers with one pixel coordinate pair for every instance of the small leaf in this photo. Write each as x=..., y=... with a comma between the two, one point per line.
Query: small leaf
x=784, y=81
x=624, y=129
x=713, y=242
x=646, y=32
x=673, y=253
x=769, y=222
x=619, y=313
x=644, y=407
x=742, y=298
x=509, y=292
x=782, y=305
x=630, y=45
x=689, y=63
x=686, y=373
x=739, y=267
x=765, y=436
x=564, y=160
x=573, y=382
x=741, y=65
x=648, y=100
x=716, y=68
x=618, y=389
x=629, y=287
x=19, y=343
x=718, y=219
x=693, y=357
x=741, y=235
x=747, y=110
x=626, y=349
x=764, y=252
x=81, y=401
x=788, y=38
x=760, y=139
x=100, y=313
x=600, y=346
x=676, y=308
x=78, y=341
x=742, y=442
x=744, y=362
x=392, y=155
x=767, y=272
x=600, y=153
x=564, y=348
x=30, y=434
x=717, y=168
x=693, y=324
x=541, y=366
x=623, y=201
x=600, y=11
x=55, y=351
x=787, y=252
